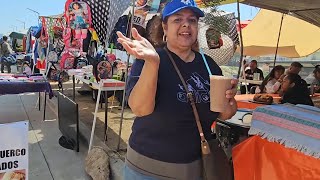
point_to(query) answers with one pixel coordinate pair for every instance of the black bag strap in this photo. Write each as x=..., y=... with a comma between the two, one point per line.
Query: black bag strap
x=204, y=144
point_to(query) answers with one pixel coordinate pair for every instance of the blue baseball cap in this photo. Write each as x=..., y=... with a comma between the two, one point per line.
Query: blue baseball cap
x=177, y=5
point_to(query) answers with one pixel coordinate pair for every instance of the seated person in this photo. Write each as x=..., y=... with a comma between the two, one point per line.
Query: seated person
x=26, y=68
x=253, y=69
x=269, y=84
x=294, y=68
x=314, y=79
x=295, y=90
x=249, y=74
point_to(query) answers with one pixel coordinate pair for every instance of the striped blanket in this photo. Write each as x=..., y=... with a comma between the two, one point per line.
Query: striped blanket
x=294, y=126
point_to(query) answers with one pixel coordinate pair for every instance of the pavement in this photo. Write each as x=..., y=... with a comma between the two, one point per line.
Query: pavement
x=47, y=159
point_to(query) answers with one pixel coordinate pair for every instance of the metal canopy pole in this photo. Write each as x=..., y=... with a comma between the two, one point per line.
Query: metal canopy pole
x=280, y=28
x=241, y=40
x=241, y=50
x=126, y=77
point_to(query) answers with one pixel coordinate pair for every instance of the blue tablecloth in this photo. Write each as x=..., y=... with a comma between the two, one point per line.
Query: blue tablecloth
x=7, y=87
x=294, y=126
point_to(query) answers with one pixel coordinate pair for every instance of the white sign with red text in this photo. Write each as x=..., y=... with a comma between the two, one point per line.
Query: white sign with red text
x=14, y=150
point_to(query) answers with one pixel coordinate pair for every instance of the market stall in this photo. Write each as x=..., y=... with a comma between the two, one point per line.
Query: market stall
x=17, y=84
x=18, y=41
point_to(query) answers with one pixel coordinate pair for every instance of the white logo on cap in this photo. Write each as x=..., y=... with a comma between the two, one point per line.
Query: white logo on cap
x=187, y=2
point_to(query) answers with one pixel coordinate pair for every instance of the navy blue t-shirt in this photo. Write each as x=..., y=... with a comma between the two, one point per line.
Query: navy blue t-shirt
x=170, y=133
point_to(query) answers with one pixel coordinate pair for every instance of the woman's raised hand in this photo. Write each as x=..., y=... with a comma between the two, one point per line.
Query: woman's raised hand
x=140, y=47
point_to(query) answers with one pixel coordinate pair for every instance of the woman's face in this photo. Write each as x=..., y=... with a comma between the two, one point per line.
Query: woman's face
x=278, y=73
x=182, y=29
x=75, y=6
x=286, y=84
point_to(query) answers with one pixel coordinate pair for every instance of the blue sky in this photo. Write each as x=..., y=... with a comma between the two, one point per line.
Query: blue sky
x=17, y=10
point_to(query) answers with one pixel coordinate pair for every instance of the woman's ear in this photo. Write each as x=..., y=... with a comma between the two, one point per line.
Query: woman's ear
x=165, y=27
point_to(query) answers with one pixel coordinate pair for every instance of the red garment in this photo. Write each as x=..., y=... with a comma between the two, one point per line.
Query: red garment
x=41, y=64
x=259, y=159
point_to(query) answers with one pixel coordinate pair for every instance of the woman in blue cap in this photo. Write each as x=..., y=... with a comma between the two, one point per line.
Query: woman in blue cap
x=165, y=141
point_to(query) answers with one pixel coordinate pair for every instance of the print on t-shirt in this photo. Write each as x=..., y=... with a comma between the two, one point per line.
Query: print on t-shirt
x=199, y=87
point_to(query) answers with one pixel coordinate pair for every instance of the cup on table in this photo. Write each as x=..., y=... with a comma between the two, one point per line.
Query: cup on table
x=218, y=87
x=256, y=76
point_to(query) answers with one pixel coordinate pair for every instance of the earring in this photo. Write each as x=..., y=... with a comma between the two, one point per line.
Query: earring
x=164, y=38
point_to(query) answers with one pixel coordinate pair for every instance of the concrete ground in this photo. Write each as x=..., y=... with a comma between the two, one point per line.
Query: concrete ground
x=47, y=159
x=86, y=114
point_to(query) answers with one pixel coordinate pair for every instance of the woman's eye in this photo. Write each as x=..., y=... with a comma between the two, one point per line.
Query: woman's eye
x=192, y=20
x=177, y=20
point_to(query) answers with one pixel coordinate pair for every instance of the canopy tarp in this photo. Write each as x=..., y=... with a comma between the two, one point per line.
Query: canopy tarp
x=308, y=10
x=298, y=38
x=16, y=35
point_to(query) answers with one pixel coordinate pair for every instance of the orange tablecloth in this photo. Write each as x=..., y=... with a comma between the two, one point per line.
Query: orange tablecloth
x=259, y=159
x=243, y=101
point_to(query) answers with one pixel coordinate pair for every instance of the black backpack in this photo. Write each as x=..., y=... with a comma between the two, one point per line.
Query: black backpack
x=122, y=25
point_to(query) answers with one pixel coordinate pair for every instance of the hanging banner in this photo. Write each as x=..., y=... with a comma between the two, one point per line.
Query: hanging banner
x=14, y=150
x=144, y=7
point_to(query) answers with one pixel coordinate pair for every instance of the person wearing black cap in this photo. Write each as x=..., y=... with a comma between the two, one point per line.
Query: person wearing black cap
x=165, y=141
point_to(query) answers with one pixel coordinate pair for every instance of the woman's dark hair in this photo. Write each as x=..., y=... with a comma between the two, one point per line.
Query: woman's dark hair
x=77, y=4
x=299, y=93
x=270, y=76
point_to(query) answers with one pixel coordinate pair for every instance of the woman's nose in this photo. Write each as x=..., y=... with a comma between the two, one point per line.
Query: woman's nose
x=186, y=24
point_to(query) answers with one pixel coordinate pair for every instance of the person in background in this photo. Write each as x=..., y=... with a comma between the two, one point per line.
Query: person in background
x=269, y=84
x=295, y=90
x=314, y=76
x=249, y=75
x=314, y=80
x=5, y=52
x=165, y=141
x=253, y=69
x=26, y=68
x=294, y=68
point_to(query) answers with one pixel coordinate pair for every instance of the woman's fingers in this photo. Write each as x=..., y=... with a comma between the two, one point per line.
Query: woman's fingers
x=120, y=35
x=234, y=82
x=130, y=43
x=128, y=48
x=136, y=35
x=232, y=102
x=230, y=94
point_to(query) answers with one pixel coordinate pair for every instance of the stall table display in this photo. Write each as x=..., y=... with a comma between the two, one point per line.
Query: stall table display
x=245, y=101
x=103, y=86
x=16, y=84
x=285, y=144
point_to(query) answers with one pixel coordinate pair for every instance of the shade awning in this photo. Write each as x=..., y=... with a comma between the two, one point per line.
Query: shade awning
x=308, y=10
x=298, y=38
x=16, y=35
